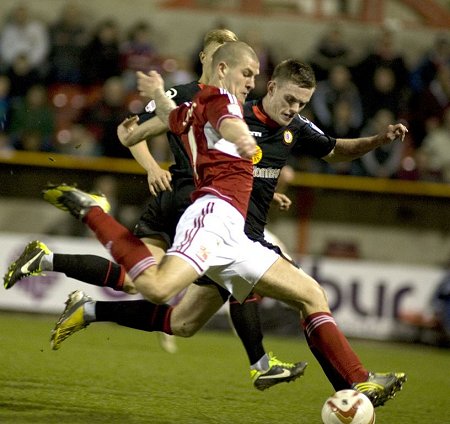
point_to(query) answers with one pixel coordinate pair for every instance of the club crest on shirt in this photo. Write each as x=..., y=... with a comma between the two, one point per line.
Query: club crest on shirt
x=203, y=253
x=257, y=156
x=288, y=137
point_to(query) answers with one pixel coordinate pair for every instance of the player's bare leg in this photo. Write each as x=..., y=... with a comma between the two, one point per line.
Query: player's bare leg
x=198, y=305
x=195, y=309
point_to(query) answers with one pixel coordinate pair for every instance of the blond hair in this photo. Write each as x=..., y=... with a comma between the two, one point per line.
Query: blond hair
x=219, y=36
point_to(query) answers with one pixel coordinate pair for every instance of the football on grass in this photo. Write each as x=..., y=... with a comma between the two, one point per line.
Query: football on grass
x=348, y=407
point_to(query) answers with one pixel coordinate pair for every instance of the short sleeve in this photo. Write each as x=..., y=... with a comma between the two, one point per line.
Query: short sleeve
x=221, y=105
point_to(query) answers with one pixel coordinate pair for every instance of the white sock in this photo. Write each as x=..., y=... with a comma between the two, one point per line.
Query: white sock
x=47, y=262
x=262, y=364
x=89, y=311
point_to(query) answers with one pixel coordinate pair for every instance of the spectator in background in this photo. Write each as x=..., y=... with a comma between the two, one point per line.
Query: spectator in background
x=22, y=76
x=332, y=50
x=384, y=161
x=342, y=122
x=336, y=88
x=430, y=84
x=26, y=37
x=430, y=104
x=433, y=156
x=5, y=102
x=386, y=56
x=342, y=127
x=138, y=53
x=6, y=145
x=100, y=58
x=429, y=64
x=32, y=121
x=68, y=36
x=104, y=116
x=381, y=93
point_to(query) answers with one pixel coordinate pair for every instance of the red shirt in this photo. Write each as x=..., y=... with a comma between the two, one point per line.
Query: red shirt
x=218, y=167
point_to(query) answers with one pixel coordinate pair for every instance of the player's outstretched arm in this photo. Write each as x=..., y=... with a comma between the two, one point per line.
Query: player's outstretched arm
x=158, y=179
x=130, y=132
x=352, y=148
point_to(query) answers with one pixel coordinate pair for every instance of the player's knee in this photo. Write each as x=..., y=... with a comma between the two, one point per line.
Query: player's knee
x=318, y=297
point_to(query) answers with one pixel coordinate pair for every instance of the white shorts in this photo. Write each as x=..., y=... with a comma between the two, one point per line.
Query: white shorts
x=210, y=236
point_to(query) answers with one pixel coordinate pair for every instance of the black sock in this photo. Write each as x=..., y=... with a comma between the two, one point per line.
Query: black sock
x=90, y=269
x=138, y=314
x=245, y=318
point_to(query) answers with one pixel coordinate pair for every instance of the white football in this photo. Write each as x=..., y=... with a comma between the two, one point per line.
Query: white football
x=348, y=407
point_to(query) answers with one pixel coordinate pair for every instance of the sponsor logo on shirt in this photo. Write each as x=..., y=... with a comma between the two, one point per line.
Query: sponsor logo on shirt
x=266, y=172
x=256, y=133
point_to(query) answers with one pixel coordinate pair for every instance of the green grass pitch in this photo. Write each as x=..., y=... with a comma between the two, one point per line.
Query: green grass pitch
x=109, y=374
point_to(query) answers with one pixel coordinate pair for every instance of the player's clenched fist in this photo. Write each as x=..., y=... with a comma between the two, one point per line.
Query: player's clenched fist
x=149, y=84
x=246, y=146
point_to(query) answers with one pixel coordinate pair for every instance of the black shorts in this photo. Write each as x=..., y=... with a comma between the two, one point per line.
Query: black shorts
x=164, y=211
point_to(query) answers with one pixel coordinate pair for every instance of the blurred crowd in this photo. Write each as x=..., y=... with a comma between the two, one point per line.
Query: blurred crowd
x=64, y=87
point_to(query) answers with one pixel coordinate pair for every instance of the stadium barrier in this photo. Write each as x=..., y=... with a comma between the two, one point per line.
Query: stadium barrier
x=55, y=162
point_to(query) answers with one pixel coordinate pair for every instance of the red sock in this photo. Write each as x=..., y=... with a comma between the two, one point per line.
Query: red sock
x=125, y=248
x=333, y=351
